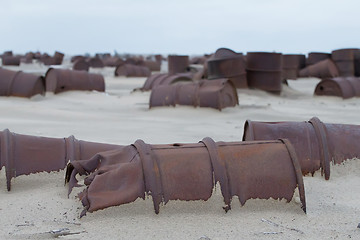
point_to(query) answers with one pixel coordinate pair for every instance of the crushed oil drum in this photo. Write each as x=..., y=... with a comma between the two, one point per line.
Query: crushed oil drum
x=249, y=170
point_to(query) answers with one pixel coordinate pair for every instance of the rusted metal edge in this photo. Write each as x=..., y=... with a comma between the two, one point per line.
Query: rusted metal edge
x=7, y=156
x=324, y=151
x=263, y=70
x=72, y=149
x=151, y=173
x=298, y=172
x=248, y=125
x=219, y=168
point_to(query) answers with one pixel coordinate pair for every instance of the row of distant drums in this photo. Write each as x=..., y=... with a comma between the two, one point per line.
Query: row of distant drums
x=267, y=71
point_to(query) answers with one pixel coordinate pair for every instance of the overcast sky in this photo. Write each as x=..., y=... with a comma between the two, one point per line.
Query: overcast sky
x=180, y=27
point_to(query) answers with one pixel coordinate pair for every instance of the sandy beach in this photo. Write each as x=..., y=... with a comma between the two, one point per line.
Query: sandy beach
x=38, y=203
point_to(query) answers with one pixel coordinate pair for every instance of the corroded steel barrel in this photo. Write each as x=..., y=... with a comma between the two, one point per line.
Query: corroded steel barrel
x=345, y=87
x=60, y=80
x=165, y=79
x=11, y=60
x=264, y=71
x=20, y=84
x=139, y=60
x=55, y=60
x=248, y=170
x=28, y=58
x=323, y=69
x=316, y=143
x=113, y=61
x=153, y=65
x=218, y=94
x=198, y=60
x=302, y=61
x=25, y=154
x=96, y=62
x=81, y=64
x=345, y=61
x=292, y=63
x=314, y=57
x=77, y=57
x=226, y=63
x=58, y=58
x=129, y=70
x=178, y=64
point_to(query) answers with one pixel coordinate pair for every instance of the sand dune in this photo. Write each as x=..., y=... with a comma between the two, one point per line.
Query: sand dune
x=38, y=203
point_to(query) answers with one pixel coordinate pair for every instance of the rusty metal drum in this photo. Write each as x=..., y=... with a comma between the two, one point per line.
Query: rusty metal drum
x=81, y=64
x=323, y=69
x=20, y=84
x=178, y=64
x=60, y=80
x=345, y=87
x=218, y=94
x=317, y=144
x=37, y=154
x=264, y=70
x=11, y=60
x=314, y=57
x=130, y=70
x=345, y=61
x=248, y=170
x=226, y=63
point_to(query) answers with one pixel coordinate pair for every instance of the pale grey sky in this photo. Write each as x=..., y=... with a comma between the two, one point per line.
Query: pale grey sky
x=181, y=27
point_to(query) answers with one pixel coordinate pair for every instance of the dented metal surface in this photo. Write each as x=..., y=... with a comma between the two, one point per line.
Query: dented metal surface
x=218, y=94
x=24, y=154
x=316, y=144
x=158, y=79
x=264, y=70
x=323, y=69
x=188, y=172
x=60, y=80
x=226, y=63
x=345, y=87
x=20, y=84
x=130, y=70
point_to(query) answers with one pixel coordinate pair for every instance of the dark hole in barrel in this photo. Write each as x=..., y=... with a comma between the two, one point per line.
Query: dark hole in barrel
x=321, y=88
x=62, y=87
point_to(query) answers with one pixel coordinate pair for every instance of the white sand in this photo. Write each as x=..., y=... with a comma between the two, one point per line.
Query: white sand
x=38, y=203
